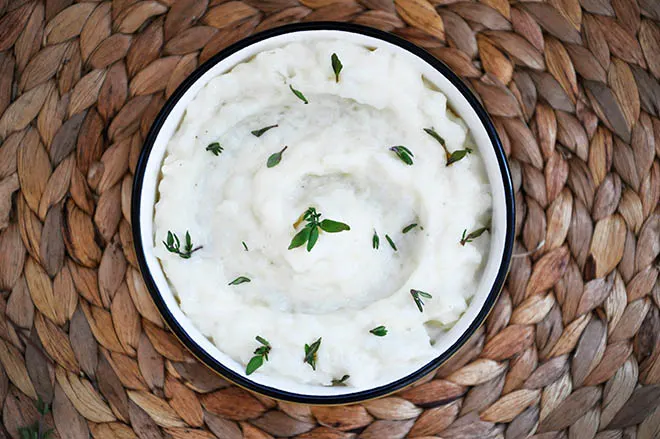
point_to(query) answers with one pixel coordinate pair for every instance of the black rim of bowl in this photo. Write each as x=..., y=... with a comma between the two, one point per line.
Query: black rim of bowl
x=213, y=363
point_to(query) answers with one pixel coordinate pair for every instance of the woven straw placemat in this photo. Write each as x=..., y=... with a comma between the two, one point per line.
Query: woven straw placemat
x=571, y=349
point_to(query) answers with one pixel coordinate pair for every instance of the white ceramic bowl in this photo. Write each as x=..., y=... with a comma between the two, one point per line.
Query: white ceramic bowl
x=462, y=102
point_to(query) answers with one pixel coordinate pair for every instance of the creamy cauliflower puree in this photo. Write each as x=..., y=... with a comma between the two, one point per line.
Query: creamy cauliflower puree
x=241, y=198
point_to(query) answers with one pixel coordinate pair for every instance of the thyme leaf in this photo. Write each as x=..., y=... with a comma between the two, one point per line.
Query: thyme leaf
x=409, y=227
x=173, y=245
x=300, y=238
x=240, y=280
x=379, y=331
x=403, y=153
x=298, y=94
x=331, y=226
x=336, y=66
x=275, y=158
x=458, y=155
x=391, y=243
x=417, y=297
x=311, y=353
x=433, y=133
x=313, y=237
x=260, y=132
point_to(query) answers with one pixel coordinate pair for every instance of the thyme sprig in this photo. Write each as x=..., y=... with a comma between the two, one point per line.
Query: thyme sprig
x=311, y=353
x=379, y=331
x=173, y=245
x=469, y=237
x=417, y=297
x=452, y=157
x=375, y=241
x=260, y=355
x=310, y=233
x=215, y=148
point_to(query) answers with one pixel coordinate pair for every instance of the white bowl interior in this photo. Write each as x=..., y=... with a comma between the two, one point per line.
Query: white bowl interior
x=457, y=102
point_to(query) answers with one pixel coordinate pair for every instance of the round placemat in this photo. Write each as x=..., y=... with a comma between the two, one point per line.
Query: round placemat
x=571, y=349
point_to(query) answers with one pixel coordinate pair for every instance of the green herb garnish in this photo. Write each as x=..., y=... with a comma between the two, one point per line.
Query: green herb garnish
x=298, y=94
x=416, y=295
x=215, y=148
x=403, y=153
x=457, y=155
x=431, y=132
x=310, y=353
x=275, y=158
x=173, y=245
x=379, y=331
x=375, y=241
x=452, y=157
x=341, y=382
x=260, y=354
x=240, y=280
x=260, y=132
x=36, y=430
x=310, y=233
x=336, y=66
x=331, y=226
x=472, y=235
x=391, y=242
x=409, y=227
x=300, y=238
x=245, y=246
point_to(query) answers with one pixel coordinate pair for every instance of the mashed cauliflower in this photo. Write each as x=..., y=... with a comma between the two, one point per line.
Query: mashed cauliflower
x=338, y=159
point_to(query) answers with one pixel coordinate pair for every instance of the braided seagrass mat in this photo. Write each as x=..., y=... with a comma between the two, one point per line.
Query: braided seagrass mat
x=572, y=348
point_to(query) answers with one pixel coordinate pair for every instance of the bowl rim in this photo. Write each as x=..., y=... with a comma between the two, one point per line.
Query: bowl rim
x=211, y=362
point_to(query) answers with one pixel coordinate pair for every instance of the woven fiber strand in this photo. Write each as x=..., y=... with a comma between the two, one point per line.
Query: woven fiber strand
x=572, y=348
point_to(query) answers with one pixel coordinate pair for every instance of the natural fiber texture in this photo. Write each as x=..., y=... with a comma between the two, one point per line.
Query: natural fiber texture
x=572, y=348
